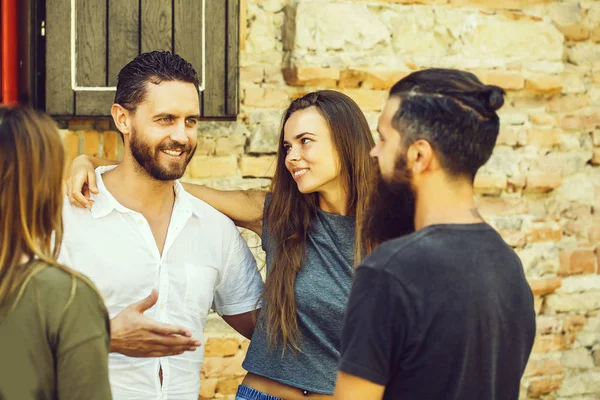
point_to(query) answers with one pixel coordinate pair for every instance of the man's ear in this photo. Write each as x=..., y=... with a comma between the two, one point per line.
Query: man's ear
x=121, y=117
x=421, y=157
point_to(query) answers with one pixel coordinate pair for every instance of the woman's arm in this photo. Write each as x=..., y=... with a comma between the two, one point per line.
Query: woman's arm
x=244, y=207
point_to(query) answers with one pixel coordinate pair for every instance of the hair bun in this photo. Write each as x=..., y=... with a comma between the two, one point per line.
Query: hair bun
x=495, y=97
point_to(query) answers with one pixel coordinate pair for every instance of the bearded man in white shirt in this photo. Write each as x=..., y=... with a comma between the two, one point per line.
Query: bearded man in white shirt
x=145, y=234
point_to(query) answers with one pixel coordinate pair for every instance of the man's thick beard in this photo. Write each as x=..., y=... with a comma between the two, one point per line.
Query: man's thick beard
x=147, y=157
x=391, y=211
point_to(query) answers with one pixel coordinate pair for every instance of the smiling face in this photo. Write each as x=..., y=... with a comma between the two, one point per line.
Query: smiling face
x=311, y=158
x=163, y=135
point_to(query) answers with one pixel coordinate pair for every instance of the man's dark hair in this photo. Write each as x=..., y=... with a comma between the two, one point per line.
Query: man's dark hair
x=155, y=67
x=453, y=111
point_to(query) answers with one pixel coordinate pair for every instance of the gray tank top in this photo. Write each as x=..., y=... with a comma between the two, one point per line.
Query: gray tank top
x=322, y=288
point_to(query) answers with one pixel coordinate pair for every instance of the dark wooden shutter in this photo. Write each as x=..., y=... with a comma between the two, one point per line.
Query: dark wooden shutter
x=110, y=33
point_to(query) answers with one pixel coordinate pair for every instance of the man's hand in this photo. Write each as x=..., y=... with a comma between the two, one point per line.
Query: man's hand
x=80, y=182
x=135, y=335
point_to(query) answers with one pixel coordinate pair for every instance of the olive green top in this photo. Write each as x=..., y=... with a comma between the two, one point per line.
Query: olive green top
x=49, y=352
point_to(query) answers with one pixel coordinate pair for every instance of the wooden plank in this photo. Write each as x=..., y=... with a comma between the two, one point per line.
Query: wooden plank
x=96, y=103
x=216, y=43
x=123, y=35
x=187, y=32
x=157, y=25
x=90, y=42
x=59, y=94
x=232, y=70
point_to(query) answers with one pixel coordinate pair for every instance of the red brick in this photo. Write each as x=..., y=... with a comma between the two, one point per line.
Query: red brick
x=543, y=84
x=543, y=119
x=575, y=32
x=596, y=34
x=596, y=156
x=538, y=387
x=541, y=287
x=266, y=97
x=596, y=138
x=368, y=100
x=208, y=388
x=81, y=124
x=71, y=143
x=594, y=232
x=506, y=80
x=229, y=145
x=229, y=386
x=91, y=141
x=497, y=4
x=263, y=166
x=110, y=144
x=540, y=182
x=490, y=183
x=207, y=167
x=574, y=323
x=219, y=367
x=580, y=122
x=568, y=103
x=513, y=237
x=544, y=233
x=221, y=347
x=538, y=304
x=352, y=78
x=311, y=76
x=546, y=324
x=499, y=206
x=543, y=366
x=510, y=135
x=548, y=343
x=252, y=74
x=577, y=261
x=543, y=137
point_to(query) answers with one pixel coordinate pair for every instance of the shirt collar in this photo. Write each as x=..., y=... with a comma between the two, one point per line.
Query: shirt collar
x=105, y=203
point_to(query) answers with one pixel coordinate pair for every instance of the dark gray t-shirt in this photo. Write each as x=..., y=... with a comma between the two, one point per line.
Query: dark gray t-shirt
x=443, y=313
x=322, y=288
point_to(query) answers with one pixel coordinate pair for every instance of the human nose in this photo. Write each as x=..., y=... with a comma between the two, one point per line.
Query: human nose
x=293, y=154
x=179, y=133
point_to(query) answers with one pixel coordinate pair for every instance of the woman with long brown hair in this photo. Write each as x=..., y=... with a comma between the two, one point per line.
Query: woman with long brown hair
x=308, y=224
x=53, y=323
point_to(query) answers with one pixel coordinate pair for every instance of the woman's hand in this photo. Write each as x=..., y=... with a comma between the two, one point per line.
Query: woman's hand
x=81, y=182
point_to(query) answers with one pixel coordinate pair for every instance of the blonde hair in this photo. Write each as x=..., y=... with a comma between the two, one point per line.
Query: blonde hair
x=32, y=161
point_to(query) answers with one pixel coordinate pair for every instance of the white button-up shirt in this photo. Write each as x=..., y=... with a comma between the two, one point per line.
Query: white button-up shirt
x=205, y=263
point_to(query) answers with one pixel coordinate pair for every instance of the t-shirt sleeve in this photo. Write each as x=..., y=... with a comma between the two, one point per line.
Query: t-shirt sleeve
x=83, y=346
x=374, y=328
x=241, y=285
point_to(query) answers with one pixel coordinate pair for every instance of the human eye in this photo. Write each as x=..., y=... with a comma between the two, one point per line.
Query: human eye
x=165, y=120
x=191, y=121
x=305, y=140
x=287, y=148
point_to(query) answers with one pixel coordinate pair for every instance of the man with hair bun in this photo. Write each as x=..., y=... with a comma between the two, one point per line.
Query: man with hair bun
x=441, y=309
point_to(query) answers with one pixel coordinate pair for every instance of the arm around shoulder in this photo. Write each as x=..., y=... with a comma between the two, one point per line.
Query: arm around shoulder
x=243, y=207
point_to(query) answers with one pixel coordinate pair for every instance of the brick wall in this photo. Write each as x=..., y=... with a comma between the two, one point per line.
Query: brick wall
x=540, y=189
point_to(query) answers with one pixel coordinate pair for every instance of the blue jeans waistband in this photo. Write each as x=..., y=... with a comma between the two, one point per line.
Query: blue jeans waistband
x=247, y=393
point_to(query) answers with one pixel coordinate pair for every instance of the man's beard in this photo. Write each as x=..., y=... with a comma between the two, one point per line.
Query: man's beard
x=148, y=157
x=391, y=211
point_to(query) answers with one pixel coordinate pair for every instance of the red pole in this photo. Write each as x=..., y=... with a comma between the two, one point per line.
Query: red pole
x=10, y=57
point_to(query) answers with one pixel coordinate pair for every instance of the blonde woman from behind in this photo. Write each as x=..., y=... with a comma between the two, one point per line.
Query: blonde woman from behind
x=54, y=327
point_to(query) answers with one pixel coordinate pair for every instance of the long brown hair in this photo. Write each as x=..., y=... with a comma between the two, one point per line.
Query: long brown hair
x=289, y=213
x=32, y=160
